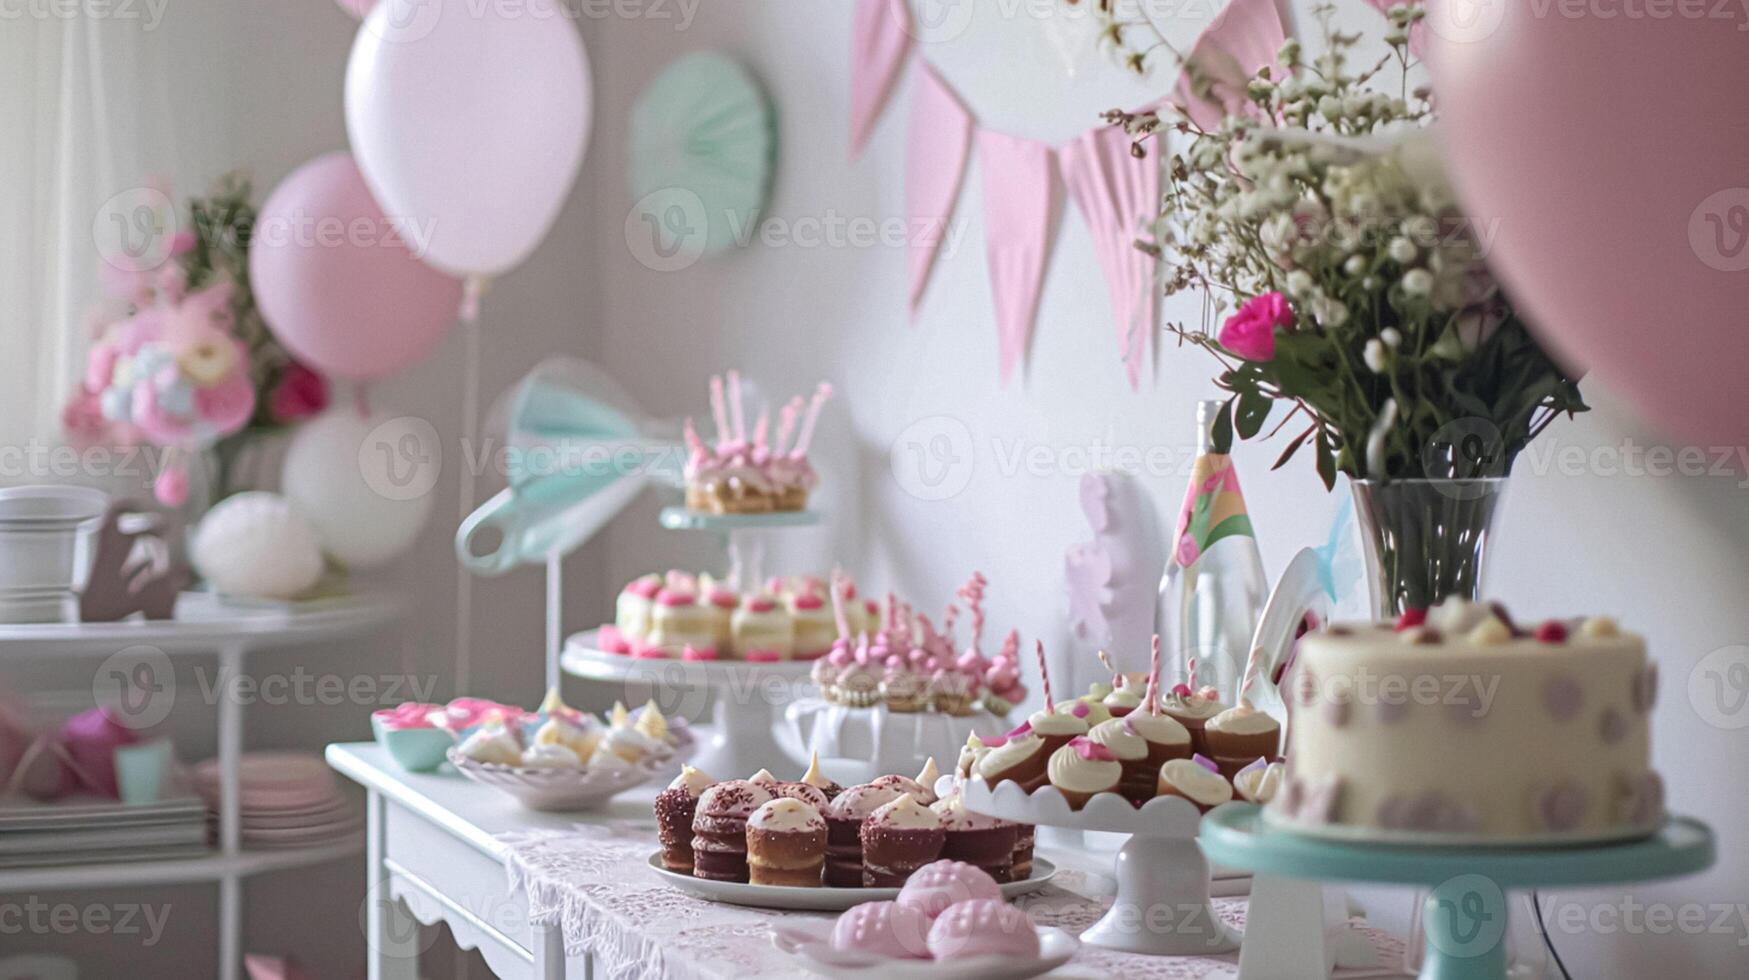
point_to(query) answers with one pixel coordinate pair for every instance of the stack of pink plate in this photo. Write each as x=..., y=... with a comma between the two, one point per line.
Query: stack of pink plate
x=287, y=799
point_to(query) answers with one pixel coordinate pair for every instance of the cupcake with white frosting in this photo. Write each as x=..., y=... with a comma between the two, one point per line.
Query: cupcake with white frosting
x=1131, y=750
x=1240, y=734
x=1259, y=781
x=1198, y=780
x=1082, y=769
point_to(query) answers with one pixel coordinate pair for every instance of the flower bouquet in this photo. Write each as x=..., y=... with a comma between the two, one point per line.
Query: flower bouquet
x=181, y=358
x=1307, y=205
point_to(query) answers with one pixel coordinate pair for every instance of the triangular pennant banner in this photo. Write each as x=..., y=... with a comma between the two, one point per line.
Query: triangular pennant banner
x=1019, y=193
x=935, y=161
x=1119, y=196
x=1245, y=36
x=879, y=43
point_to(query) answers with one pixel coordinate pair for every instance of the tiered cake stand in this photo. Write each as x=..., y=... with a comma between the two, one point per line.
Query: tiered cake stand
x=748, y=703
x=1466, y=911
x=1162, y=906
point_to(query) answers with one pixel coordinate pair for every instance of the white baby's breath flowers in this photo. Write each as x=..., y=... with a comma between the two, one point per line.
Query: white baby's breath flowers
x=1299, y=283
x=1355, y=265
x=1391, y=337
x=1418, y=282
x=1401, y=250
x=1376, y=356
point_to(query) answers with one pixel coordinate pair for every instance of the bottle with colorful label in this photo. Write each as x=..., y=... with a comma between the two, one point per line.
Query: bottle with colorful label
x=1214, y=589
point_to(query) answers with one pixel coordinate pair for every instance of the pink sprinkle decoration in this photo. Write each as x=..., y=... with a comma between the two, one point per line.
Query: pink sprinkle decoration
x=1045, y=677
x=1181, y=691
x=1092, y=751
x=1154, y=678
x=1206, y=762
x=1023, y=730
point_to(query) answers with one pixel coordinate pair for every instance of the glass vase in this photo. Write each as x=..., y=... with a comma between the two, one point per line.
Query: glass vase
x=1425, y=540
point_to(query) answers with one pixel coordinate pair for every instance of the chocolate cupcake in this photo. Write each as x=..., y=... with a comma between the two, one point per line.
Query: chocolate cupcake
x=1023, y=843
x=1139, y=778
x=1166, y=738
x=1240, y=734
x=844, y=819
x=897, y=839
x=977, y=839
x=675, y=808
x=719, y=830
x=786, y=844
x=1198, y=780
x=817, y=779
x=1021, y=759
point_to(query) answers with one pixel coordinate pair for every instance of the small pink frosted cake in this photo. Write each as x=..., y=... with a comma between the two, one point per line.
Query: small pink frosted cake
x=983, y=927
x=934, y=887
x=885, y=929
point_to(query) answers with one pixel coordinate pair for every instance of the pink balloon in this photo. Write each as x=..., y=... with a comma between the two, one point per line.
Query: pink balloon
x=474, y=115
x=338, y=281
x=1609, y=159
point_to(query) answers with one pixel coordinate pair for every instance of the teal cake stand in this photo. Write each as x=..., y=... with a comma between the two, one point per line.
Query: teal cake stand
x=1465, y=916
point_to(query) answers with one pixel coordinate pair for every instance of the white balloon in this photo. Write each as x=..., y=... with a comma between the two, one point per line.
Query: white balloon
x=255, y=544
x=363, y=483
x=469, y=121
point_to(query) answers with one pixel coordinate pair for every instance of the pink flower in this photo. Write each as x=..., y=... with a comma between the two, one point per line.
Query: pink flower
x=300, y=394
x=1250, y=333
x=82, y=419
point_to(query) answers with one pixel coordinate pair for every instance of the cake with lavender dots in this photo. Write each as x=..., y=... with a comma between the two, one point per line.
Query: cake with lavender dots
x=1460, y=722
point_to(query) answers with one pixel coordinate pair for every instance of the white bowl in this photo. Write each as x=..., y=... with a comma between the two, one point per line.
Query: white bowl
x=811, y=948
x=40, y=532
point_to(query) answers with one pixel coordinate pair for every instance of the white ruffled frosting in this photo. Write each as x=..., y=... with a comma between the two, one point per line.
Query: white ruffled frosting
x=1121, y=739
x=1243, y=719
x=694, y=781
x=1194, y=781
x=786, y=815
x=1057, y=723
x=1161, y=729
x=1070, y=770
x=906, y=813
x=1008, y=755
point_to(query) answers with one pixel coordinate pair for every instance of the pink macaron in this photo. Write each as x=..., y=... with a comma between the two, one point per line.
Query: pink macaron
x=934, y=887
x=982, y=928
x=883, y=929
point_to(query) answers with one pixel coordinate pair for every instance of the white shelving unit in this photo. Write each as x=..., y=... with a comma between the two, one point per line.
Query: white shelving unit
x=204, y=626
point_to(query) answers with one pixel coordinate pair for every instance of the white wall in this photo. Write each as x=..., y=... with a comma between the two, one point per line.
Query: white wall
x=1663, y=553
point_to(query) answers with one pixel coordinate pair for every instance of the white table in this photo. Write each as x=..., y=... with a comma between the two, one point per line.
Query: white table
x=434, y=856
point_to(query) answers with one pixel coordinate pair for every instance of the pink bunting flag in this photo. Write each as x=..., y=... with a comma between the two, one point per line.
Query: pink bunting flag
x=1243, y=38
x=880, y=40
x=1019, y=193
x=1119, y=196
x=935, y=161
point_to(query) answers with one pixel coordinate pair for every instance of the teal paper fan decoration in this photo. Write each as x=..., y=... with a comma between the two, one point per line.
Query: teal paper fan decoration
x=703, y=141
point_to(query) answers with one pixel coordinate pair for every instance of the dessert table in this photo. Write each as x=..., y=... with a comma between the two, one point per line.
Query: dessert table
x=555, y=895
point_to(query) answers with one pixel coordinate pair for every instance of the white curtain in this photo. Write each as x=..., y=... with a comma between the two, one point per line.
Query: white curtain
x=94, y=103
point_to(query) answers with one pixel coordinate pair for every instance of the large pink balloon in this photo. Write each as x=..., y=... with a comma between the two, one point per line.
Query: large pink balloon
x=474, y=115
x=338, y=282
x=1609, y=158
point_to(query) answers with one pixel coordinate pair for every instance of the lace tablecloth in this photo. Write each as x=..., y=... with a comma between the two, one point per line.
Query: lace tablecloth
x=596, y=882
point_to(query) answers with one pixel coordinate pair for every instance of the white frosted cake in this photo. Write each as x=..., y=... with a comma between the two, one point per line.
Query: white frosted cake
x=1456, y=724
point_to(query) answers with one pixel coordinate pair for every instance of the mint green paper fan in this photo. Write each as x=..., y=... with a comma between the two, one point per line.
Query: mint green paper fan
x=703, y=141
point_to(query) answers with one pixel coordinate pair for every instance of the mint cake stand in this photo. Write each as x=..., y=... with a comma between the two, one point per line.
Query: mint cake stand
x=1465, y=915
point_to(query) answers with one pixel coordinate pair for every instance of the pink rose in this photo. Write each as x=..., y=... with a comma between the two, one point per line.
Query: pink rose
x=300, y=394
x=1250, y=333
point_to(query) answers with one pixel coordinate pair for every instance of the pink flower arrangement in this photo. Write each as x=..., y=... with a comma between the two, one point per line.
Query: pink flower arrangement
x=1250, y=333
x=300, y=394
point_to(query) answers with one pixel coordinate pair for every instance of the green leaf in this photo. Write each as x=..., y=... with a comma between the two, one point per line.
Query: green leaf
x=1253, y=410
x=1222, y=435
x=1326, y=462
x=1293, y=447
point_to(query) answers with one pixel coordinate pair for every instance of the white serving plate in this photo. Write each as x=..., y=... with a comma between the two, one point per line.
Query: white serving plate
x=811, y=948
x=562, y=790
x=821, y=899
x=584, y=657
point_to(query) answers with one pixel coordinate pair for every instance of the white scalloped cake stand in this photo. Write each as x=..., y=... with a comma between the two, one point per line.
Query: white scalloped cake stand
x=1162, y=906
x=745, y=713
x=858, y=744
